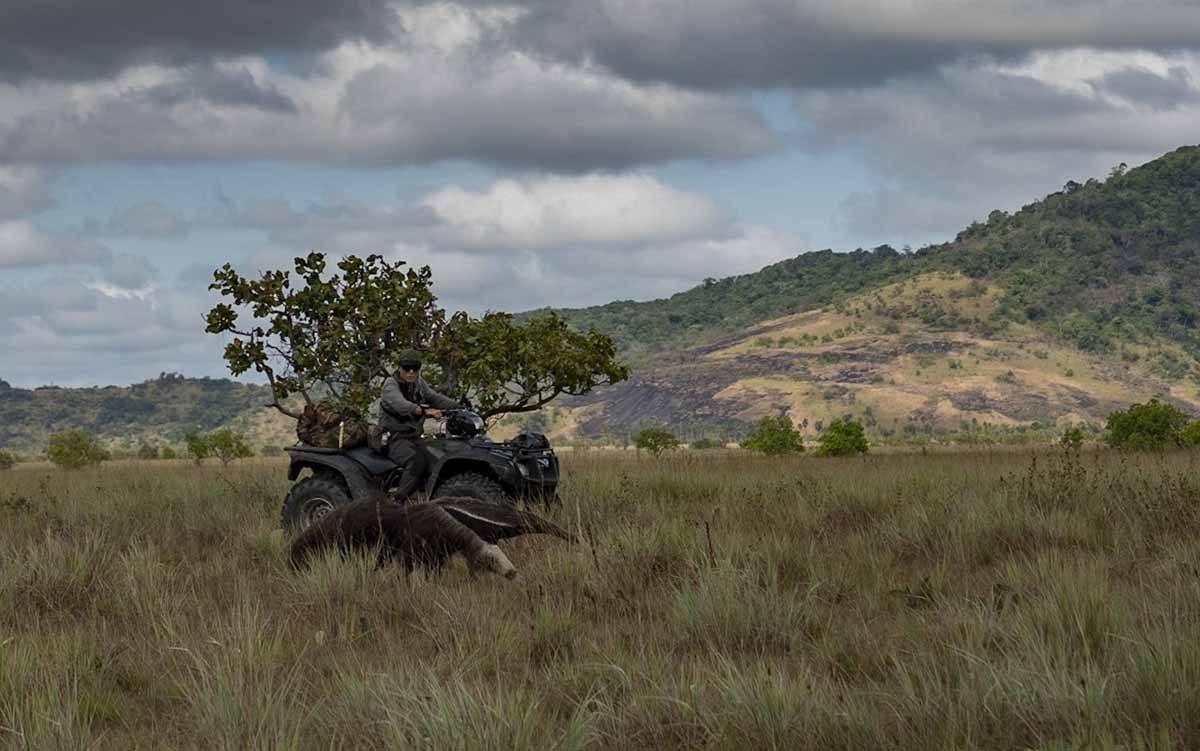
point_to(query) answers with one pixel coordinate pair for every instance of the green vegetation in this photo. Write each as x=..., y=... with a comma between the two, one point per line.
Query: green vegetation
x=1072, y=438
x=227, y=445
x=224, y=444
x=843, y=438
x=147, y=452
x=774, y=436
x=702, y=444
x=1096, y=264
x=159, y=410
x=75, y=449
x=198, y=447
x=1150, y=426
x=655, y=440
x=336, y=336
x=8, y=459
x=981, y=600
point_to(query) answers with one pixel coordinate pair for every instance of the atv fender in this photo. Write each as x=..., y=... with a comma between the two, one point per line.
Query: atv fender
x=348, y=469
x=508, y=476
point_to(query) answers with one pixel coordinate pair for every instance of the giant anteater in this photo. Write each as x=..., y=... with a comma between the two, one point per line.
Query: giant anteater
x=424, y=534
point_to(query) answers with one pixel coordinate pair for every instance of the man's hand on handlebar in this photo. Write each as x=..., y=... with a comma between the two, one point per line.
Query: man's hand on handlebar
x=430, y=412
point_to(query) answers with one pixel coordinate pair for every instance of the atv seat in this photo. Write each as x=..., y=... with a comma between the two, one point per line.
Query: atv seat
x=376, y=462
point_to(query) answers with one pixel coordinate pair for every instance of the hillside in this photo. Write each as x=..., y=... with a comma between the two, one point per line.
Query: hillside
x=1058, y=313
x=1095, y=262
x=159, y=411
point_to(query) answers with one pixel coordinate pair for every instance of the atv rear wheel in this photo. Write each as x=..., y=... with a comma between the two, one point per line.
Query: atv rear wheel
x=473, y=485
x=310, y=500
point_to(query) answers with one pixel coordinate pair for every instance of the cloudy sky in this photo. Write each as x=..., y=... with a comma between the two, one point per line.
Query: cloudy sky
x=562, y=152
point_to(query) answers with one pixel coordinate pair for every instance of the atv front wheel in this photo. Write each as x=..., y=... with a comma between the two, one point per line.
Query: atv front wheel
x=310, y=500
x=473, y=485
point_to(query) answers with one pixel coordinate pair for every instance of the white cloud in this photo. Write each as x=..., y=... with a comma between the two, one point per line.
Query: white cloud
x=519, y=244
x=444, y=87
x=72, y=331
x=24, y=190
x=979, y=136
x=23, y=244
x=590, y=210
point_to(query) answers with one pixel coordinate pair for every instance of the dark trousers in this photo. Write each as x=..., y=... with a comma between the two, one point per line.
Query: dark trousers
x=413, y=457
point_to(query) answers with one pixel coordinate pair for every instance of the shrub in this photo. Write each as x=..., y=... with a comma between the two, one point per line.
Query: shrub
x=227, y=445
x=705, y=443
x=843, y=438
x=7, y=459
x=1072, y=438
x=1149, y=426
x=198, y=446
x=72, y=449
x=655, y=440
x=1191, y=434
x=146, y=451
x=168, y=453
x=774, y=435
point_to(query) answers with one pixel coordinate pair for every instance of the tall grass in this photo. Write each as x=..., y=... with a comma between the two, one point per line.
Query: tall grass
x=981, y=600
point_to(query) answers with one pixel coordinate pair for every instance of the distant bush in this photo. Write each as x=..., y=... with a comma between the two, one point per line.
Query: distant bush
x=773, y=436
x=8, y=460
x=1191, y=434
x=168, y=453
x=1072, y=438
x=843, y=438
x=72, y=449
x=1150, y=426
x=705, y=443
x=227, y=445
x=146, y=451
x=655, y=440
x=198, y=446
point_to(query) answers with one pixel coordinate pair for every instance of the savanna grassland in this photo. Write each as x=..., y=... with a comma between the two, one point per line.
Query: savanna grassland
x=974, y=600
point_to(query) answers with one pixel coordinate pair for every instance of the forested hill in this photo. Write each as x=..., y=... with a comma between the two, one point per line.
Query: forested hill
x=1056, y=314
x=159, y=411
x=1095, y=263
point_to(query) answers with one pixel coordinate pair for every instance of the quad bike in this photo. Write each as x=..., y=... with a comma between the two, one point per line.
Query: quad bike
x=463, y=462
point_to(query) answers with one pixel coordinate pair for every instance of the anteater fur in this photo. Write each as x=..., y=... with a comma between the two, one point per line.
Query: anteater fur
x=421, y=534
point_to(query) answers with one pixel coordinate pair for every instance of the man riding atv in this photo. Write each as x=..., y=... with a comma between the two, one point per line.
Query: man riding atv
x=407, y=400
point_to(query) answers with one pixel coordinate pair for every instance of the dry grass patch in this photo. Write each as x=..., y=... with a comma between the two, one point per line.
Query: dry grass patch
x=719, y=600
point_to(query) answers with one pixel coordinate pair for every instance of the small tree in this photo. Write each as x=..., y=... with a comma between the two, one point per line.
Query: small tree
x=1072, y=438
x=773, y=436
x=198, y=446
x=655, y=440
x=227, y=445
x=146, y=451
x=316, y=334
x=704, y=443
x=843, y=438
x=8, y=460
x=1149, y=426
x=73, y=449
x=168, y=453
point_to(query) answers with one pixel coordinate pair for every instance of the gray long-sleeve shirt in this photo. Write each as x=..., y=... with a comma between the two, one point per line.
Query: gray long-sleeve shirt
x=397, y=411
